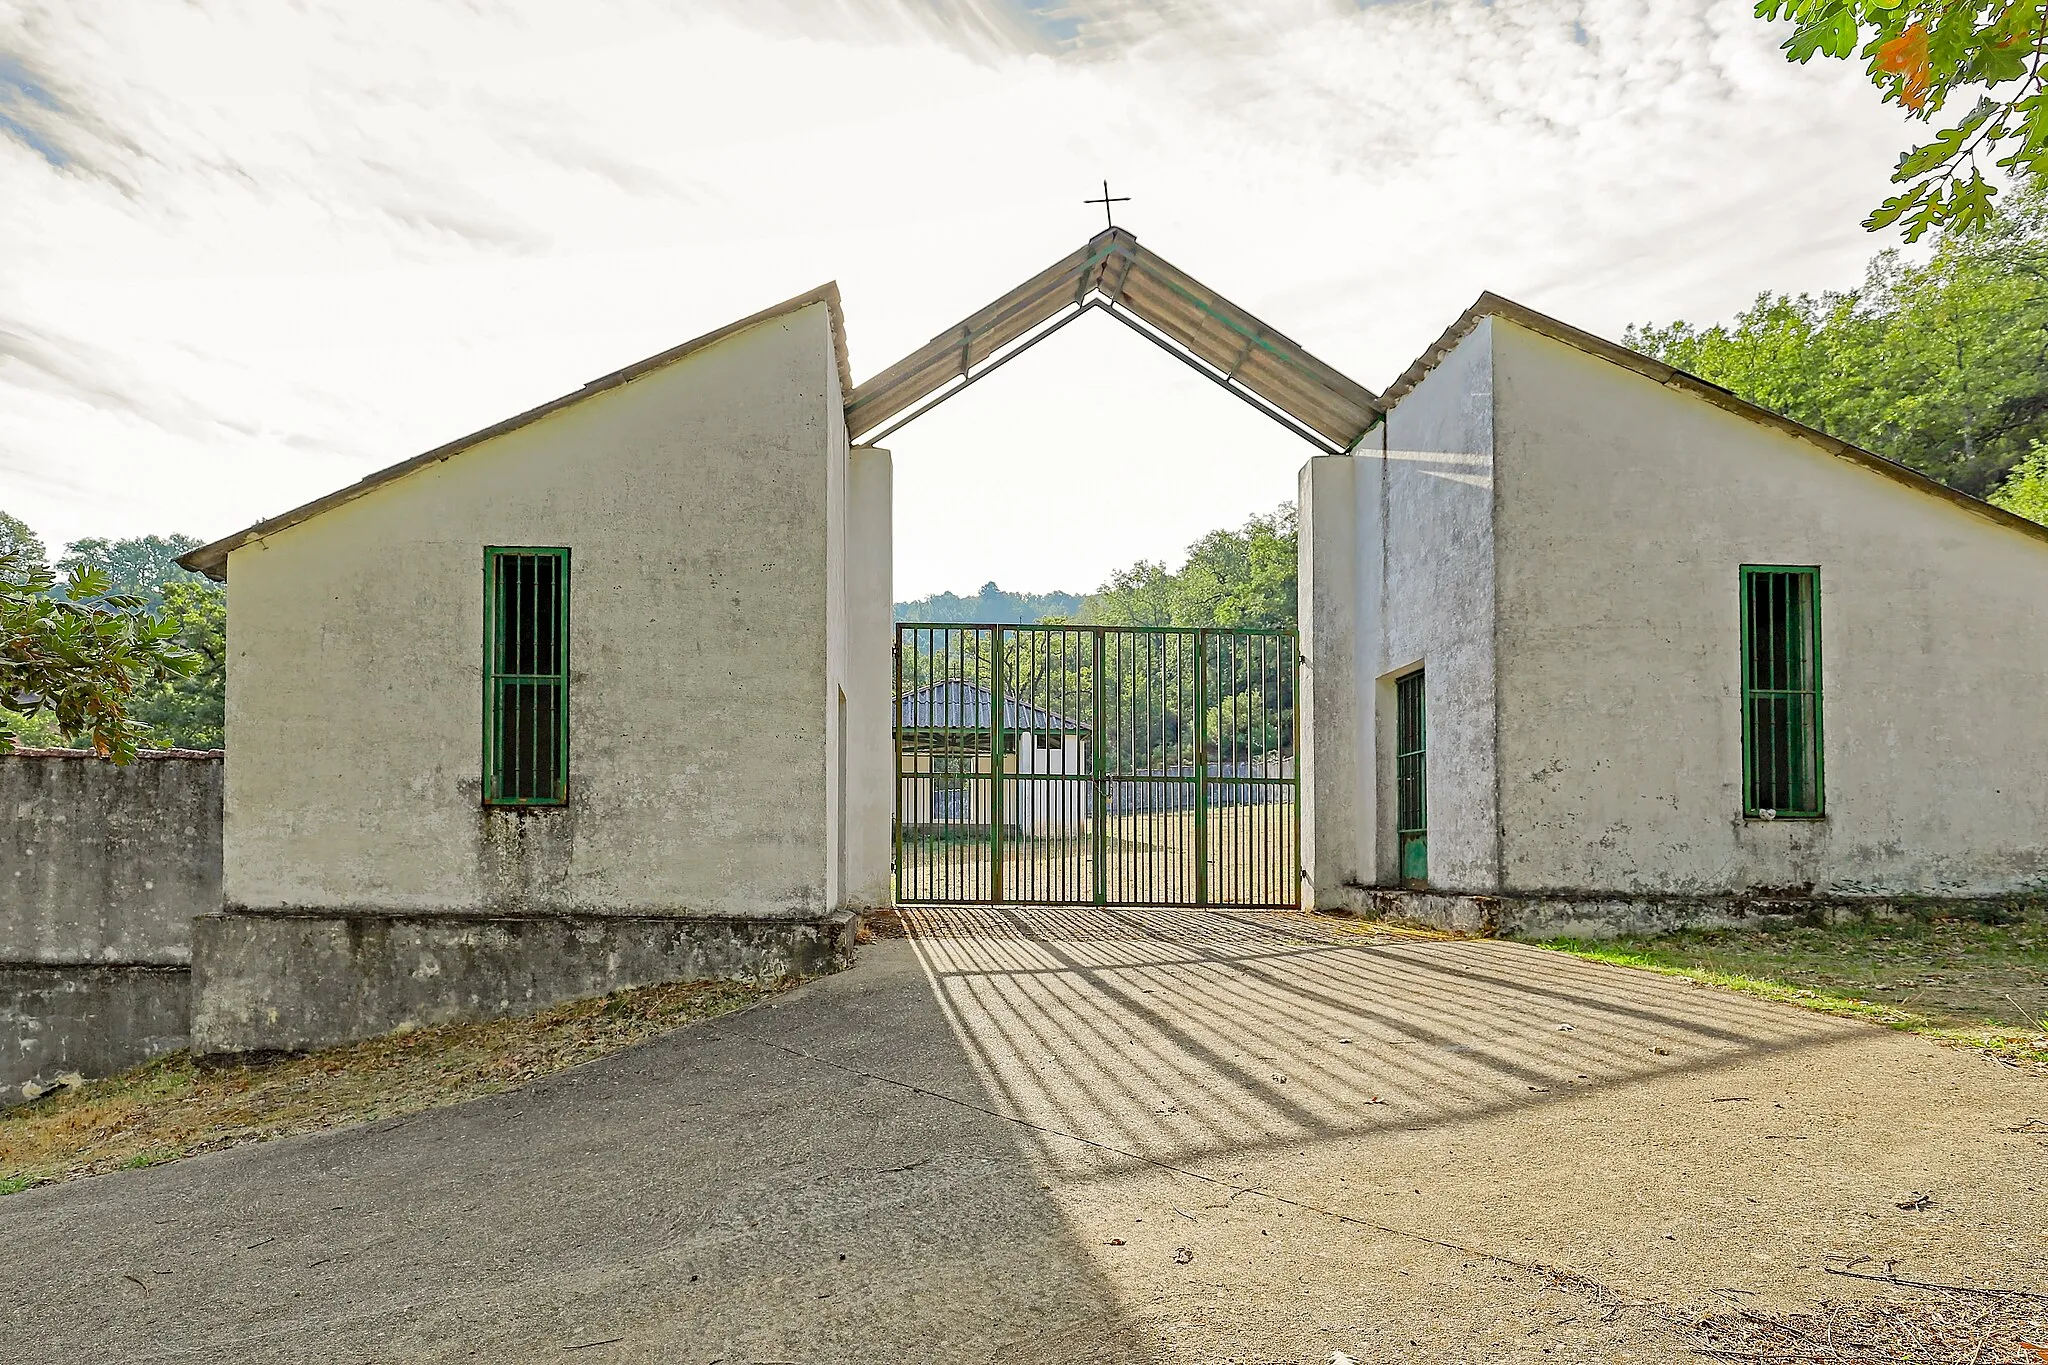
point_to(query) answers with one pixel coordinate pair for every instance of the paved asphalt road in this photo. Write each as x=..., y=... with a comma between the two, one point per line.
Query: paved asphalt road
x=1076, y=1136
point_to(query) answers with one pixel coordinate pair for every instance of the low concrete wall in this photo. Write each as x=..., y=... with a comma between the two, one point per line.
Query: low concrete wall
x=105, y=862
x=90, y=1019
x=292, y=981
x=1597, y=916
x=102, y=869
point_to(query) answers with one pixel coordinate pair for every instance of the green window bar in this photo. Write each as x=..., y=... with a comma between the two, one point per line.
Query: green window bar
x=1411, y=777
x=526, y=676
x=1781, y=692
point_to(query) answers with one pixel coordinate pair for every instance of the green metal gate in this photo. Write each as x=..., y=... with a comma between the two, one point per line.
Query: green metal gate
x=1096, y=765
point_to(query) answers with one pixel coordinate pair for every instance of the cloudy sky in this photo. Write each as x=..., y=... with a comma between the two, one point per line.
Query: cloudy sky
x=252, y=251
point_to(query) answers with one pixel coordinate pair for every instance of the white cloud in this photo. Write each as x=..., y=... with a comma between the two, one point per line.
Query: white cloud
x=285, y=245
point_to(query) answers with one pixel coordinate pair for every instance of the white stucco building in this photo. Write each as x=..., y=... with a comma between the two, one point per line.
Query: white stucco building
x=1677, y=655
x=595, y=696
x=603, y=694
x=945, y=739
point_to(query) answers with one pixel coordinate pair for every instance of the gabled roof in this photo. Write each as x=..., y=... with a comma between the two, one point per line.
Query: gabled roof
x=1126, y=277
x=211, y=560
x=965, y=706
x=1491, y=305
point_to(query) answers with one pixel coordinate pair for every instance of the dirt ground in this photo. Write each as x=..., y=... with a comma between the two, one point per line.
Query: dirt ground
x=1150, y=1136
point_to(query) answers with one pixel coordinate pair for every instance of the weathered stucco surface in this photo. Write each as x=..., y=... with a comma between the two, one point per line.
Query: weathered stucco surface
x=1415, y=521
x=1626, y=510
x=1334, y=734
x=1431, y=602
x=695, y=501
x=294, y=982
x=106, y=863
x=870, y=681
x=88, y=1018
x=102, y=869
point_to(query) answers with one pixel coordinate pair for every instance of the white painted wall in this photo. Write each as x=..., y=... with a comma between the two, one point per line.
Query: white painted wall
x=839, y=656
x=695, y=500
x=1397, y=572
x=1334, y=733
x=1430, y=601
x=1626, y=510
x=1050, y=808
x=870, y=678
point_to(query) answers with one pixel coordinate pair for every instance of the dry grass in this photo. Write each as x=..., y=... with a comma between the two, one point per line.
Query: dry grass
x=1932, y=1329
x=1914, y=1322
x=175, y=1107
x=1379, y=930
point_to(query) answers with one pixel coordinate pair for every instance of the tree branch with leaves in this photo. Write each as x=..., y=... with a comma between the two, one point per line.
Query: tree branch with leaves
x=1919, y=54
x=81, y=656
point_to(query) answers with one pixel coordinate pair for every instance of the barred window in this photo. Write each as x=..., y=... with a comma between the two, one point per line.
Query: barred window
x=1411, y=777
x=526, y=676
x=1781, y=692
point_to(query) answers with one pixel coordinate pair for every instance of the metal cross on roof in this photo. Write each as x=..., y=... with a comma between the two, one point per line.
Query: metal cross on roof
x=1106, y=201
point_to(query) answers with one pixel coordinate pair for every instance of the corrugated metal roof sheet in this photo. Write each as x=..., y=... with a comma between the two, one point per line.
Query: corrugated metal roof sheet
x=965, y=706
x=1114, y=268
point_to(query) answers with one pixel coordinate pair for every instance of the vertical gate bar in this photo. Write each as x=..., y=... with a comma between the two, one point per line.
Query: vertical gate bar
x=1293, y=751
x=1201, y=767
x=1157, y=685
x=1146, y=674
x=967, y=871
x=1123, y=740
x=997, y=689
x=1096, y=796
x=896, y=768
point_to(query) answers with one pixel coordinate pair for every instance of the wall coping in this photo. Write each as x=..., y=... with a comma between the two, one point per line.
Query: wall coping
x=200, y=755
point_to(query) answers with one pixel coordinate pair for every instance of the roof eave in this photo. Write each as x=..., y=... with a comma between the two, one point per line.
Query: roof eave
x=1491, y=305
x=212, y=559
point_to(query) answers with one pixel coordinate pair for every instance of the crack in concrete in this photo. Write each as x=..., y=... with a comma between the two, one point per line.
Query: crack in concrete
x=1236, y=1189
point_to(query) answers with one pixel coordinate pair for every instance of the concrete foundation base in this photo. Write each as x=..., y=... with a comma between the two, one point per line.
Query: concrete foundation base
x=300, y=980
x=92, y=1018
x=1607, y=916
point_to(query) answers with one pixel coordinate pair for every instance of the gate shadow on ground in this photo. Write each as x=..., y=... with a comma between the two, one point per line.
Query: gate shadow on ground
x=789, y=1184
x=711, y=1195
x=1175, y=1036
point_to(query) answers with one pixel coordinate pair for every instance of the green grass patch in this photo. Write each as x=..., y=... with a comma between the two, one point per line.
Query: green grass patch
x=144, y=1160
x=1965, y=981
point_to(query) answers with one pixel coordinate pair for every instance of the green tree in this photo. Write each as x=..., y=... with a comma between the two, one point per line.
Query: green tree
x=1942, y=365
x=1919, y=53
x=140, y=566
x=17, y=540
x=78, y=658
x=990, y=606
x=1144, y=594
x=189, y=711
x=2025, y=490
x=1241, y=580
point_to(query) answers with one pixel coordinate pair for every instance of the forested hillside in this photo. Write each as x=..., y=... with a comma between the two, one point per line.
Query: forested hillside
x=1941, y=365
x=1242, y=578
x=990, y=606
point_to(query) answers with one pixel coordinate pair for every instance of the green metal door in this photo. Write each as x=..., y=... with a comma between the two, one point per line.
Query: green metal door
x=1096, y=765
x=1411, y=778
